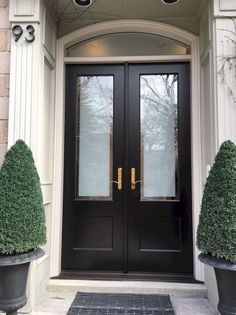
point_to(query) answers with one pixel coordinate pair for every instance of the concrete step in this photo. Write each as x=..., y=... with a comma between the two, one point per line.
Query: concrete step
x=194, y=290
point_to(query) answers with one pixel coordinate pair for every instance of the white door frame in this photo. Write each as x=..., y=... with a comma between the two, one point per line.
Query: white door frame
x=110, y=27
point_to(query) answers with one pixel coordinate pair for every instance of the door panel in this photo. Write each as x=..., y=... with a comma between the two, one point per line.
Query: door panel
x=160, y=235
x=127, y=184
x=94, y=151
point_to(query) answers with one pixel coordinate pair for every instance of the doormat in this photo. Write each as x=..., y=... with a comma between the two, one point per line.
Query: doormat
x=117, y=304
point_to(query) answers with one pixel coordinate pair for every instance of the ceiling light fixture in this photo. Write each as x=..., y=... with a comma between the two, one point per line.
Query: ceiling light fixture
x=169, y=1
x=83, y=3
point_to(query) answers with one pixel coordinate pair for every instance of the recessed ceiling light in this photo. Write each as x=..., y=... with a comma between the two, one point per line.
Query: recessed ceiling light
x=169, y=1
x=83, y=3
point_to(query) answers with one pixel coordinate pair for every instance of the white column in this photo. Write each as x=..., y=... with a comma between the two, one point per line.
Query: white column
x=25, y=72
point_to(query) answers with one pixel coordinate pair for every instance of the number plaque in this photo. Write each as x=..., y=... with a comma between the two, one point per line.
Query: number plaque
x=17, y=31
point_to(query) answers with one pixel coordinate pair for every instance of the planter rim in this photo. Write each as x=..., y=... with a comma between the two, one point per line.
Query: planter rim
x=21, y=258
x=217, y=262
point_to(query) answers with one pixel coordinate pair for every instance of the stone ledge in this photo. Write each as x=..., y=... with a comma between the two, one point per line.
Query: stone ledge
x=142, y=287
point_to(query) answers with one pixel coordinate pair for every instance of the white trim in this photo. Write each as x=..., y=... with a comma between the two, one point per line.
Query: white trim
x=109, y=28
x=133, y=25
x=57, y=199
x=224, y=8
x=196, y=152
x=24, y=11
x=130, y=59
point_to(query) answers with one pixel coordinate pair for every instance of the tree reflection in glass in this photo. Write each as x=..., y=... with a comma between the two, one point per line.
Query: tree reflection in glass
x=159, y=136
x=94, y=137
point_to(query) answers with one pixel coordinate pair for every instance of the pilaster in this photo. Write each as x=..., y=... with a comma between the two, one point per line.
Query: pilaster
x=25, y=78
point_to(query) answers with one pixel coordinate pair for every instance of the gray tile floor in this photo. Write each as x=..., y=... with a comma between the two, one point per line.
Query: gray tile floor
x=59, y=303
x=192, y=306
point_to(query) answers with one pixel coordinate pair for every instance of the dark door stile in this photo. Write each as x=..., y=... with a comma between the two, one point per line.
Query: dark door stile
x=123, y=229
x=144, y=215
x=82, y=217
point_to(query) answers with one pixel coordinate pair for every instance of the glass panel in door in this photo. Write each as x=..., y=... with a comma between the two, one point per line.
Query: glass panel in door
x=159, y=136
x=94, y=137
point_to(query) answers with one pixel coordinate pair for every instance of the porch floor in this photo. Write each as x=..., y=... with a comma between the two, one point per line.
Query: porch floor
x=186, y=298
x=59, y=303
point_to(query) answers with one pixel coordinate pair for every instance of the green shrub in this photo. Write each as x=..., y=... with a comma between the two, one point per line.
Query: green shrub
x=22, y=215
x=216, y=233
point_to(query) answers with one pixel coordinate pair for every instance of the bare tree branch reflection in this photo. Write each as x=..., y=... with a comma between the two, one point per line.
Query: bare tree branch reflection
x=159, y=134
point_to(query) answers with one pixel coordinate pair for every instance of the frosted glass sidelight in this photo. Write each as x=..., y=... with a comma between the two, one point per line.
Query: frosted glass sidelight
x=94, y=137
x=159, y=136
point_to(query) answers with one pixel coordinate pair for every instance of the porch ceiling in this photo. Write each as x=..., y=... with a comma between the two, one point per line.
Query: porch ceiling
x=70, y=17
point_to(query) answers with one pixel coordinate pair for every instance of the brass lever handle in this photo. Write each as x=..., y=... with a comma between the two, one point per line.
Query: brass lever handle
x=119, y=178
x=133, y=178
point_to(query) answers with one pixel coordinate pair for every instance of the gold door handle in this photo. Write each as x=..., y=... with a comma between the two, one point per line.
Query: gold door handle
x=119, y=178
x=133, y=178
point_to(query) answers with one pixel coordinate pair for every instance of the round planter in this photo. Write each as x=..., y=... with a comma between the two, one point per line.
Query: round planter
x=13, y=278
x=225, y=272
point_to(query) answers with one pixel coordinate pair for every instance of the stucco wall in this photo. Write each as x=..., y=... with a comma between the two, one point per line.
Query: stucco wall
x=4, y=74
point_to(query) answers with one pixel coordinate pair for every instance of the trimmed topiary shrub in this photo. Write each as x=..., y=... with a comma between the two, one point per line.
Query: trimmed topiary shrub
x=22, y=215
x=216, y=233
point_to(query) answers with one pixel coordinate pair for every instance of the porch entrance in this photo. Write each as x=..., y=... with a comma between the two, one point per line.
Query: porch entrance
x=127, y=172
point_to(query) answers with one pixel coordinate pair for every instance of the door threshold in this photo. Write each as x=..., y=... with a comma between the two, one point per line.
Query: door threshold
x=193, y=290
x=130, y=276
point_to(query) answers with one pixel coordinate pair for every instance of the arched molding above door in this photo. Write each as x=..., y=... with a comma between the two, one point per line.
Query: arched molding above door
x=112, y=27
x=119, y=26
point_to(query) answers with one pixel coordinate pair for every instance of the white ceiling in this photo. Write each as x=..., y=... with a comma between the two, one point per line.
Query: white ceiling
x=70, y=17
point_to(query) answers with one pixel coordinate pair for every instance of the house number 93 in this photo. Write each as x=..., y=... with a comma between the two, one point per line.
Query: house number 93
x=17, y=31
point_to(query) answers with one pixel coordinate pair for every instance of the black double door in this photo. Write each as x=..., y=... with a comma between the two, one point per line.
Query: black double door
x=127, y=174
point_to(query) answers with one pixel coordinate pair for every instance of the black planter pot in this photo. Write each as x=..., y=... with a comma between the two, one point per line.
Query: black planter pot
x=13, y=279
x=226, y=281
